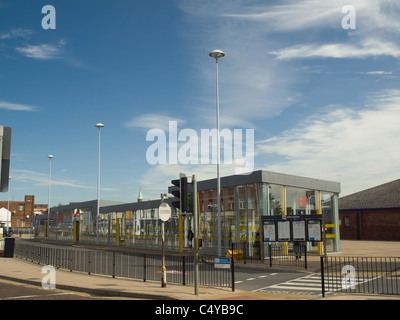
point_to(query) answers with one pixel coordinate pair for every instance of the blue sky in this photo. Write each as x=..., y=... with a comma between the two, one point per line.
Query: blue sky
x=324, y=102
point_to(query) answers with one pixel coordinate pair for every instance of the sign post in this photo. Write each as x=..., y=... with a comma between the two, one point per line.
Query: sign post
x=164, y=213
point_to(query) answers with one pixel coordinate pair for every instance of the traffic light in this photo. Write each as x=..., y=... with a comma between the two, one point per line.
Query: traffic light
x=181, y=194
x=5, y=148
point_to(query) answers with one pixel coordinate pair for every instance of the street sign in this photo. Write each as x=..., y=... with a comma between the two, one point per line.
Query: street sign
x=222, y=263
x=164, y=211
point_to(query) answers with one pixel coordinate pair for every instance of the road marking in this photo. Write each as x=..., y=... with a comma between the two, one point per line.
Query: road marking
x=35, y=296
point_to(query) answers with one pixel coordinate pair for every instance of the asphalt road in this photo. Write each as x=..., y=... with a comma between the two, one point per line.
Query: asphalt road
x=17, y=291
x=260, y=280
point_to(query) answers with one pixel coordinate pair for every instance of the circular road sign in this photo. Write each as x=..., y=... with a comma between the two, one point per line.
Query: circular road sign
x=164, y=211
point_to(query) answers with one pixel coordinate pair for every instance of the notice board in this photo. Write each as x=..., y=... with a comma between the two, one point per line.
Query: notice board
x=299, y=230
x=314, y=230
x=269, y=231
x=283, y=230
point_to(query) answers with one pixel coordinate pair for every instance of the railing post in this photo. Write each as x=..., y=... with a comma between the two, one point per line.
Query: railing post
x=183, y=271
x=144, y=267
x=88, y=252
x=233, y=270
x=113, y=271
x=305, y=255
x=322, y=277
x=270, y=254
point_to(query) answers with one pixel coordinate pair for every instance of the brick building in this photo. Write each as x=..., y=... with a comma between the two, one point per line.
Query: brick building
x=21, y=211
x=372, y=214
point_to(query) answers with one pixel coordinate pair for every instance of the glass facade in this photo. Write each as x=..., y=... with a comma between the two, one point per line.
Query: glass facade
x=137, y=225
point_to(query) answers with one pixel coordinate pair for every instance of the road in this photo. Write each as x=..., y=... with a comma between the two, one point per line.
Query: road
x=17, y=291
x=277, y=282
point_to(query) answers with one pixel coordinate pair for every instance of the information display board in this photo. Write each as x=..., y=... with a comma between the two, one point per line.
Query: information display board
x=314, y=230
x=299, y=230
x=292, y=228
x=269, y=231
x=283, y=230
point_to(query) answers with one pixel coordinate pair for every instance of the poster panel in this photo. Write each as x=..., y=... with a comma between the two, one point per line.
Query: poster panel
x=269, y=231
x=284, y=230
x=314, y=230
x=299, y=230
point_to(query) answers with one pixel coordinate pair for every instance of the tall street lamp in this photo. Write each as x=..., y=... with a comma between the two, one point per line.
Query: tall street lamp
x=217, y=54
x=99, y=125
x=48, y=205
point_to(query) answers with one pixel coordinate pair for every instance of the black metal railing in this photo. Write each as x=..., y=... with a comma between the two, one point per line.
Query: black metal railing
x=145, y=266
x=379, y=275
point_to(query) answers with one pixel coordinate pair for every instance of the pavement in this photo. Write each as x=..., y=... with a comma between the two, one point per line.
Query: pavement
x=20, y=270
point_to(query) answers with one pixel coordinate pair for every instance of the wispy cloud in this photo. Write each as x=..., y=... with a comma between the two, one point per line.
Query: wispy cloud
x=343, y=144
x=151, y=121
x=252, y=85
x=365, y=49
x=42, y=179
x=17, y=107
x=378, y=72
x=14, y=33
x=43, y=51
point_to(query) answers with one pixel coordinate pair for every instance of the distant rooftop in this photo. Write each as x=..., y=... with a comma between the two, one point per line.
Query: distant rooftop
x=381, y=197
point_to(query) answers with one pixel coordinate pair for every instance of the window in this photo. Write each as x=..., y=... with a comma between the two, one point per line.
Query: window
x=347, y=221
x=21, y=207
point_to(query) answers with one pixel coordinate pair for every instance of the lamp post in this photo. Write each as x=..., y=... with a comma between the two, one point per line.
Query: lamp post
x=99, y=125
x=217, y=54
x=48, y=205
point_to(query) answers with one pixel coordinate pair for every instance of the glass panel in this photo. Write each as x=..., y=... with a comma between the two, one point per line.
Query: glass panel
x=253, y=221
x=330, y=218
x=299, y=201
x=228, y=221
x=275, y=203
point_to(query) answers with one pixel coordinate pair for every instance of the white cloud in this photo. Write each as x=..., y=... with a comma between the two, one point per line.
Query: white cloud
x=16, y=107
x=16, y=33
x=380, y=72
x=357, y=148
x=158, y=178
x=43, y=51
x=365, y=49
x=42, y=179
x=152, y=121
x=252, y=85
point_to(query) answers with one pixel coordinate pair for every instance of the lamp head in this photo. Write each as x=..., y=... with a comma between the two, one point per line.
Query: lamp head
x=217, y=54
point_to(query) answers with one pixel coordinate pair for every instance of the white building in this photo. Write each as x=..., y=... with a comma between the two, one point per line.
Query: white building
x=5, y=218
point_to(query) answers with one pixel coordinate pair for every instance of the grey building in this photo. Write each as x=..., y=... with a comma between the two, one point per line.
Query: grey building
x=245, y=200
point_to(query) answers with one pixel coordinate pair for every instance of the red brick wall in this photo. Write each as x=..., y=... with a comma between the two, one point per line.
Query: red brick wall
x=18, y=216
x=379, y=224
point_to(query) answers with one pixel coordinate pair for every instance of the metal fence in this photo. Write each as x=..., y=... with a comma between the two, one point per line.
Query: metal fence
x=144, y=266
x=286, y=254
x=380, y=275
